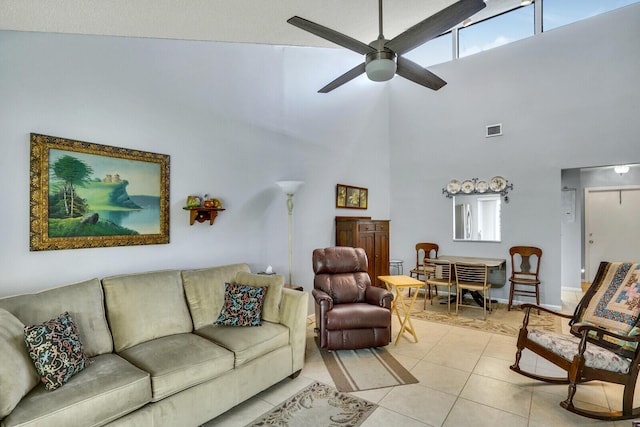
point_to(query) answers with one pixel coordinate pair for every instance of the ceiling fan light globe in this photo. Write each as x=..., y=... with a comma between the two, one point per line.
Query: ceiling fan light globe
x=381, y=70
x=381, y=65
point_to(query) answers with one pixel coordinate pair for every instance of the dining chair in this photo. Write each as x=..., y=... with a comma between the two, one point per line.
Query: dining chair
x=472, y=278
x=423, y=250
x=438, y=272
x=525, y=268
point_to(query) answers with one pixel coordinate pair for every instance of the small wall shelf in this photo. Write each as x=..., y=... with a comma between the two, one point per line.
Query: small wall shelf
x=202, y=214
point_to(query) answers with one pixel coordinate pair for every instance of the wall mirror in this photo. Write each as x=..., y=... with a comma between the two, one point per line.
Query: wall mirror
x=476, y=217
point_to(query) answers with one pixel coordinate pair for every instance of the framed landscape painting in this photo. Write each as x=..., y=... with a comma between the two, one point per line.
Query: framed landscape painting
x=86, y=195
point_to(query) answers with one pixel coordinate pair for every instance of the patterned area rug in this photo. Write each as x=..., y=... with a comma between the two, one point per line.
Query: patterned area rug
x=365, y=369
x=499, y=321
x=318, y=405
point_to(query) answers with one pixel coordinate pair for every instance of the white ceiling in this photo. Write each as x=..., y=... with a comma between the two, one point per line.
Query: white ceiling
x=246, y=21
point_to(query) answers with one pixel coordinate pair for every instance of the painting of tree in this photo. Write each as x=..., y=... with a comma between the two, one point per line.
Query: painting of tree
x=72, y=173
x=91, y=195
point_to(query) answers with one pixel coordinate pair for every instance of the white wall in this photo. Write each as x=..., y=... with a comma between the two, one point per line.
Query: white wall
x=566, y=98
x=234, y=118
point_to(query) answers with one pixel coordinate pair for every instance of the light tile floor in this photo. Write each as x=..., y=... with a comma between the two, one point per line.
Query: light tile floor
x=465, y=380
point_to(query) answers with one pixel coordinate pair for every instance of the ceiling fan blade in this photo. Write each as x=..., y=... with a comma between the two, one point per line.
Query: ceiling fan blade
x=434, y=25
x=417, y=74
x=331, y=35
x=348, y=76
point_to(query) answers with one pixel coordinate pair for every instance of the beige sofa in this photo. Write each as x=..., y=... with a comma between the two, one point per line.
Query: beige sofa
x=157, y=359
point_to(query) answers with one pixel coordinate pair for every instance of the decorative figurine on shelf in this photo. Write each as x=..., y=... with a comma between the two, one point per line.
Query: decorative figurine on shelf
x=193, y=201
x=213, y=203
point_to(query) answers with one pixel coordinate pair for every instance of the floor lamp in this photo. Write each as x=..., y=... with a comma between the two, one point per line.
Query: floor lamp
x=290, y=188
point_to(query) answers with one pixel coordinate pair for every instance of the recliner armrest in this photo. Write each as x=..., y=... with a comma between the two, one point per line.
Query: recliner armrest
x=322, y=299
x=378, y=296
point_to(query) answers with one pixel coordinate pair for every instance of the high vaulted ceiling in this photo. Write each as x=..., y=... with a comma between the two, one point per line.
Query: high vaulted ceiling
x=245, y=21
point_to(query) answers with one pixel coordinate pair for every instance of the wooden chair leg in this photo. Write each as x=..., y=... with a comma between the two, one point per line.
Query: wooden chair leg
x=510, y=297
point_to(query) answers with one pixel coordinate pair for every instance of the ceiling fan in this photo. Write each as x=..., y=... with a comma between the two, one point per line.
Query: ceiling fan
x=383, y=57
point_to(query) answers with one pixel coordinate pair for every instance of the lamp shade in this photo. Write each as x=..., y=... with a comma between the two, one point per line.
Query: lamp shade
x=289, y=187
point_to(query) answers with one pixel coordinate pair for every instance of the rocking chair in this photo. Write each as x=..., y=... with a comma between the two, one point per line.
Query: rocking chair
x=603, y=344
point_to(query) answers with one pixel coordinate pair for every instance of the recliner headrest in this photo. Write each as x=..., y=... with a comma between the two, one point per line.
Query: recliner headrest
x=339, y=259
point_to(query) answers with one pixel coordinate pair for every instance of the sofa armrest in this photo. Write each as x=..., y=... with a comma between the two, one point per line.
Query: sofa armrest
x=293, y=314
x=378, y=296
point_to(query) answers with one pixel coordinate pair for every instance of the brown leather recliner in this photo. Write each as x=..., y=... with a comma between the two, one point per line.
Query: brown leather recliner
x=350, y=313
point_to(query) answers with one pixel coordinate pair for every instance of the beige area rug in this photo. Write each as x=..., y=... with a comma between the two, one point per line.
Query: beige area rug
x=499, y=321
x=365, y=369
x=318, y=405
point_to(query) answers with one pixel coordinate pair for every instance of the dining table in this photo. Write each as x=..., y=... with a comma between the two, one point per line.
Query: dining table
x=497, y=265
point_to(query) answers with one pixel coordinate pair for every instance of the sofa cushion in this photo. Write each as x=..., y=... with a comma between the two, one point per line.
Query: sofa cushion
x=204, y=289
x=111, y=388
x=56, y=350
x=274, y=284
x=247, y=343
x=84, y=300
x=242, y=305
x=179, y=361
x=142, y=307
x=17, y=373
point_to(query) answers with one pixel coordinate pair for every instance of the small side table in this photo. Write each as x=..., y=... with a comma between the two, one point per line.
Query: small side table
x=395, y=284
x=396, y=264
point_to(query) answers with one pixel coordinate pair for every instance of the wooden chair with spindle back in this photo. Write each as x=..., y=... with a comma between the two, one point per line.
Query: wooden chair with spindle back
x=423, y=250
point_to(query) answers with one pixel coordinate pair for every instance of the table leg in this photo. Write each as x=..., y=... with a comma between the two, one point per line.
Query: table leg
x=407, y=315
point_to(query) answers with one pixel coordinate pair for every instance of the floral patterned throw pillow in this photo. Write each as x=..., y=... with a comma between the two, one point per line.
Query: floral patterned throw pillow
x=56, y=350
x=242, y=305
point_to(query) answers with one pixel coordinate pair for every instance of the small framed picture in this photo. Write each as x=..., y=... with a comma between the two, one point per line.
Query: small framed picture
x=350, y=197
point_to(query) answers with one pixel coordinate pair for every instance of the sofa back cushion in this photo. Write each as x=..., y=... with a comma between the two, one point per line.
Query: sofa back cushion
x=17, y=373
x=204, y=289
x=83, y=300
x=274, y=284
x=144, y=306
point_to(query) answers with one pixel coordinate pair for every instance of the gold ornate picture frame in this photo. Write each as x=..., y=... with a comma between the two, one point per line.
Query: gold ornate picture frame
x=348, y=196
x=86, y=195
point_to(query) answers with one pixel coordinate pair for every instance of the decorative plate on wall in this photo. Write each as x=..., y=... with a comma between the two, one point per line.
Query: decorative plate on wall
x=468, y=186
x=482, y=186
x=497, y=183
x=453, y=186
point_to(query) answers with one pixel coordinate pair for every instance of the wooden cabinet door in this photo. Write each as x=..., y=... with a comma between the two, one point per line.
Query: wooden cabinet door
x=381, y=256
x=367, y=242
x=370, y=235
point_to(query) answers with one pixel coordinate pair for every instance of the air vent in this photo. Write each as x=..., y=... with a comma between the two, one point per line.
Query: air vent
x=494, y=130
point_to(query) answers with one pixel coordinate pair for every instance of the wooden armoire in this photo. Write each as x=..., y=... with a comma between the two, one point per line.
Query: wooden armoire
x=372, y=236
